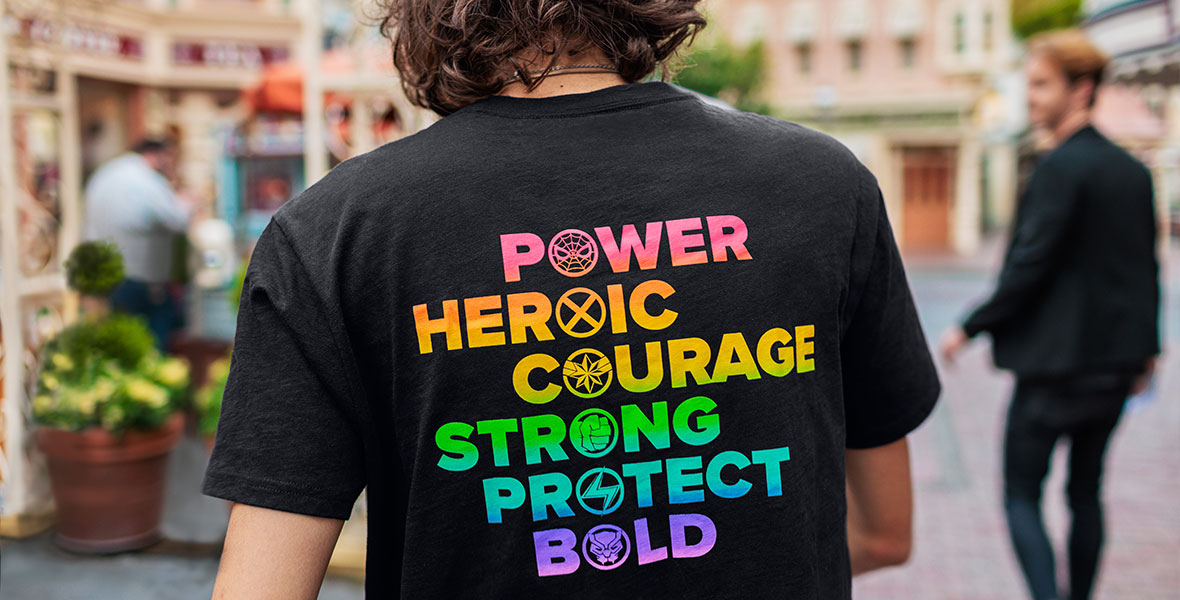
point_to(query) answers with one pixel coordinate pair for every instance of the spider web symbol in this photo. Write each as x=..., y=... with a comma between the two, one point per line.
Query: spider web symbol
x=573, y=252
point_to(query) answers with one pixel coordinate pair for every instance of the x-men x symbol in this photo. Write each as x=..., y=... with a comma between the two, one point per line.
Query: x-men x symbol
x=580, y=313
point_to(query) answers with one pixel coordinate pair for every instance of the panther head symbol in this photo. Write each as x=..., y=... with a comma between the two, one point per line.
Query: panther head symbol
x=606, y=545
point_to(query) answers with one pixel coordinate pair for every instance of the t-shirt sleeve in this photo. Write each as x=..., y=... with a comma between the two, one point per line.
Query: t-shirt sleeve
x=285, y=439
x=890, y=381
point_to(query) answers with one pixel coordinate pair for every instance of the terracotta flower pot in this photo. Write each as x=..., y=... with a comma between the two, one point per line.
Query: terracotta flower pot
x=109, y=489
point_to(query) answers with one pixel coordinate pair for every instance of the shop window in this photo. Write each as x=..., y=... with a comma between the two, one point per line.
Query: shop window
x=263, y=169
x=803, y=58
x=855, y=55
x=35, y=133
x=988, y=27
x=908, y=53
x=960, y=33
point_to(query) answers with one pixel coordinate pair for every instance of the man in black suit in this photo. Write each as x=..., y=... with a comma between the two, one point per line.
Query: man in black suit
x=1075, y=312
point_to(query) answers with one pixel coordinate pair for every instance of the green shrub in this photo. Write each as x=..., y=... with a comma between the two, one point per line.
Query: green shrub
x=94, y=268
x=733, y=73
x=102, y=372
x=1030, y=17
x=122, y=338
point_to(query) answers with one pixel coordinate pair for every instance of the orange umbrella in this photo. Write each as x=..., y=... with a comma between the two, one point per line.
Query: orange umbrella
x=281, y=89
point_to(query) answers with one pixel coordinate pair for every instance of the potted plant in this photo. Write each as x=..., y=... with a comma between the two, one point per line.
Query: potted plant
x=106, y=414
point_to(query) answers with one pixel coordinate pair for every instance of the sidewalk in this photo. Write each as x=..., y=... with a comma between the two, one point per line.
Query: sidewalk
x=182, y=567
x=961, y=548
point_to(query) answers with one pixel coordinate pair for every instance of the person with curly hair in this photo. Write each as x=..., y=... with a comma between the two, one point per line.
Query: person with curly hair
x=588, y=335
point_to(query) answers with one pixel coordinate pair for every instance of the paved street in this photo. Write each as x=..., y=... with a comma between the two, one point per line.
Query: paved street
x=961, y=550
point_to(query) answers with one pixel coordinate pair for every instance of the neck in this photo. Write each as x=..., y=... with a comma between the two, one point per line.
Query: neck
x=572, y=81
x=558, y=83
x=1069, y=125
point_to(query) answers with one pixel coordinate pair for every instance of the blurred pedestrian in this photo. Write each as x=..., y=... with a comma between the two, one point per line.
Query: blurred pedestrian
x=429, y=322
x=131, y=201
x=1075, y=311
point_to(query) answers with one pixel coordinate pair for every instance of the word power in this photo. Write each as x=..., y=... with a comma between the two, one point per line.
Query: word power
x=574, y=252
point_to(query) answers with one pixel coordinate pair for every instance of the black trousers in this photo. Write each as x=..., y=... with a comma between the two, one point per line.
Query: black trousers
x=1085, y=409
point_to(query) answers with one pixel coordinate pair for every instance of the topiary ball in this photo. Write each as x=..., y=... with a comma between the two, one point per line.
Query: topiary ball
x=95, y=268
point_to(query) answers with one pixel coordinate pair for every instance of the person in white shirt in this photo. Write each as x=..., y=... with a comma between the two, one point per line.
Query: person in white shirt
x=130, y=201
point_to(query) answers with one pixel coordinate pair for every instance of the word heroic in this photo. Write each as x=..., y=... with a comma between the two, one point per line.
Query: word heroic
x=574, y=252
x=606, y=547
x=588, y=373
x=580, y=312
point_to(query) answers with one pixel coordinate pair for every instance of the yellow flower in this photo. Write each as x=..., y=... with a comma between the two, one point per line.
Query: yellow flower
x=61, y=361
x=42, y=403
x=103, y=388
x=85, y=402
x=172, y=372
x=219, y=369
x=49, y=381
x=146, y=392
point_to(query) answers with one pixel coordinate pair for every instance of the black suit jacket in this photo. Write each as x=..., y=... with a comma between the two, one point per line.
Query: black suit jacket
x=1079, y=290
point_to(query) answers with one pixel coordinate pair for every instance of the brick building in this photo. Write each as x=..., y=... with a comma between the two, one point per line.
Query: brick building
x=921, y=90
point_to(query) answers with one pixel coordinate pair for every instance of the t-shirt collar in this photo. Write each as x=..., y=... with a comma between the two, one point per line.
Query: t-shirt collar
x=626, y=95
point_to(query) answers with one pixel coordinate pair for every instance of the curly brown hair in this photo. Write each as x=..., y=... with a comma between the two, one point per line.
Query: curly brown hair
x=451, y=53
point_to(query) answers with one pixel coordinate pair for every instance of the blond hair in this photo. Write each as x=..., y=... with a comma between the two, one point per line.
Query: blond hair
x=1077, y=57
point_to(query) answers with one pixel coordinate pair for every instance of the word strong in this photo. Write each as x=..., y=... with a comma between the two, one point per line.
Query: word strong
x=574, y=252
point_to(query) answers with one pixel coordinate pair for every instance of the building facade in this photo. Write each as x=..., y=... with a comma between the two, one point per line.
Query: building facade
x=1140, y=107
x=916, y=88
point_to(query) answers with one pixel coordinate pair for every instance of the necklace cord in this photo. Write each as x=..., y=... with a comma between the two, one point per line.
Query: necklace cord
x=593, y=67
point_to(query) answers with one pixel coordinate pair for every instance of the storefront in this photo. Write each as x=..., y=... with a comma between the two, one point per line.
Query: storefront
x=85, y=80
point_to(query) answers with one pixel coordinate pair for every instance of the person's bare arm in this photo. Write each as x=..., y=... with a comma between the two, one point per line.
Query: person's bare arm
x=274, y=554
x=880, y=505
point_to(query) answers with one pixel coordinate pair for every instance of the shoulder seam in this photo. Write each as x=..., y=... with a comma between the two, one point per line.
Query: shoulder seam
x=349, y=374
x=861, y=188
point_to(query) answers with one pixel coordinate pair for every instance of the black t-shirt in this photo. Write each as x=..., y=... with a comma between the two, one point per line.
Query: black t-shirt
x=598, y=345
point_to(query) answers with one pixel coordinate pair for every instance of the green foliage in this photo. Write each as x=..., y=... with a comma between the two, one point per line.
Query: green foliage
x=731, y=73
x=1030, y=17
x=235, y=293
x=208, y=400
x=122, y=338
x=99, y=372
x=94, y=268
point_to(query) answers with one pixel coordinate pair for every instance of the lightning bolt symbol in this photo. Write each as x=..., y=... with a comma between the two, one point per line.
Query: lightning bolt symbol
x=596, y=489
